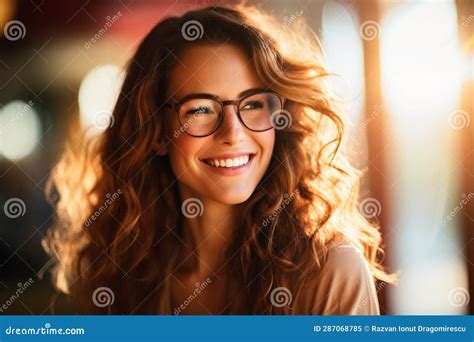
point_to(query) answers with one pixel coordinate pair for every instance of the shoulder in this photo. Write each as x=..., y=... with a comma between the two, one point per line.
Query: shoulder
x=344, y=259
x=344, y=286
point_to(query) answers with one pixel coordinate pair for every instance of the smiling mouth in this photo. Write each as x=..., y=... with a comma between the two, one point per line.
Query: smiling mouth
x=230, y=162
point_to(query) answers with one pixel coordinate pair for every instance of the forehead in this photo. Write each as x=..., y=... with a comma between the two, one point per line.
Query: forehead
x=219, y=69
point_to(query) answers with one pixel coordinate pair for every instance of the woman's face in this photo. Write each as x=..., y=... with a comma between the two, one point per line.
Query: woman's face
x=223, y=70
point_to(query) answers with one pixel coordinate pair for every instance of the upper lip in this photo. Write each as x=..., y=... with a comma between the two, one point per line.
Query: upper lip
x=229, y=155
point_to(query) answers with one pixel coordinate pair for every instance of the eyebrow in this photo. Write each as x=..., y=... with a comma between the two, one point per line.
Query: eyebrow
x=213, y=96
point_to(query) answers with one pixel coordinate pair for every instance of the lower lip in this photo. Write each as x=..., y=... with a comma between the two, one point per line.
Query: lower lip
x=231, y=171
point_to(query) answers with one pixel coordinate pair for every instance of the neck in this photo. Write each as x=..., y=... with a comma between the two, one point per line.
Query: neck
x=207, y=236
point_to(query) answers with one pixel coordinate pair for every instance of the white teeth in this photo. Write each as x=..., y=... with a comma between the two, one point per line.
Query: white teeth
x=239, y=161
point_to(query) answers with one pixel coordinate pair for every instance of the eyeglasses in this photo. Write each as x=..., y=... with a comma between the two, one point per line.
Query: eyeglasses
x=200, y=115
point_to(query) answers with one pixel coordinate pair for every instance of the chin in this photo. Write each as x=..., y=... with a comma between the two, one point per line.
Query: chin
x=232, y=198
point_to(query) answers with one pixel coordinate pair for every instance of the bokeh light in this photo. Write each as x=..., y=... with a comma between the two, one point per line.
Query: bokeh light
x=19, y=129
x=97, y=96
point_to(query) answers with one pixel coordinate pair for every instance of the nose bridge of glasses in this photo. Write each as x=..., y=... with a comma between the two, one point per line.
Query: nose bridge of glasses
x=230, y=103
x=230, y=121
x=233, y=103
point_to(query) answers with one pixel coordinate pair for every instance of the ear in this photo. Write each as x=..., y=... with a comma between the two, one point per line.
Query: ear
x=160, y=143
x=161, y=146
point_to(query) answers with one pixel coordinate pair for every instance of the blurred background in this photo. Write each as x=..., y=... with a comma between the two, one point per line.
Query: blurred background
x=407, y=67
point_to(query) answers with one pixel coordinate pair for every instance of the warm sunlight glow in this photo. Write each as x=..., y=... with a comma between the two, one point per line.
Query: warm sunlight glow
x=343, y=50
x=421, y=61
x=422, y=71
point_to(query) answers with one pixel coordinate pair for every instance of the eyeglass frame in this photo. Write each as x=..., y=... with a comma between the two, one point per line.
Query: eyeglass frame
x=177, y=106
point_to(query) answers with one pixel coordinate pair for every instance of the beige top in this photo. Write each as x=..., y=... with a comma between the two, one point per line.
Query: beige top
x=345, y=286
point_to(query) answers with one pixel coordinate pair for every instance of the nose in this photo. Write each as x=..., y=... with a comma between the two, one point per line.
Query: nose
x=231, y=131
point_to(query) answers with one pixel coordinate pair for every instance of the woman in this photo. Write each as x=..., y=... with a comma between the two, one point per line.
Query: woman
x=230, y=192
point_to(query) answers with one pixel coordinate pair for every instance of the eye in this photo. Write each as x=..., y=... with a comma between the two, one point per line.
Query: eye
x=200, y=110
x=252, y=105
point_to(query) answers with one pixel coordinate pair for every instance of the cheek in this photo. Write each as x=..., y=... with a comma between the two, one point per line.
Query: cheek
x=266, y=141
x=183, y=151
x=181, y=147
